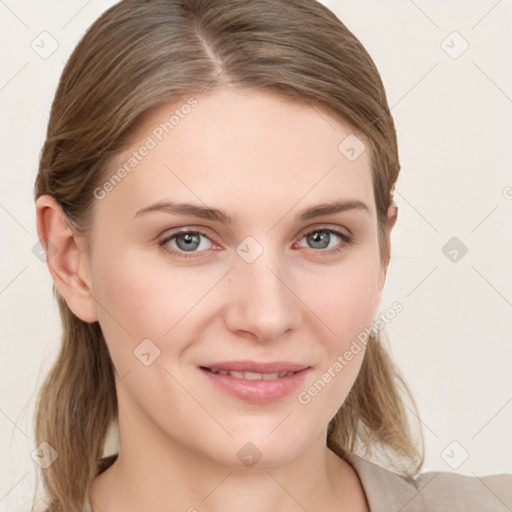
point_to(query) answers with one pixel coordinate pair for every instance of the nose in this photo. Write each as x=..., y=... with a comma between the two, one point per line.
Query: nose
x=262, y=302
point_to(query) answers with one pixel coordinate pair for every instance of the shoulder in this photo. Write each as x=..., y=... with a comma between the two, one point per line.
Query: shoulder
x=491, y=492
x=433, y=491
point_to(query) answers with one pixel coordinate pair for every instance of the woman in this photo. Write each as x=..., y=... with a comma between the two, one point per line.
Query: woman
x=215, y=197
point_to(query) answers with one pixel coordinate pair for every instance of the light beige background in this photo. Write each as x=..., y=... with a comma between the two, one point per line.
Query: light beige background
x=453, y=339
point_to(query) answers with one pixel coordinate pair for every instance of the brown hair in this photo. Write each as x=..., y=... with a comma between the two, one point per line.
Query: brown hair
x=138, y=55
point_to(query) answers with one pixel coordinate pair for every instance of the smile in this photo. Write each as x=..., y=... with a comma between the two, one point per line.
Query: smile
x=251, y=375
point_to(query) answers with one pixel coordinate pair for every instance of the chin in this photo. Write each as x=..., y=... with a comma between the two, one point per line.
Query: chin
x=259, y=451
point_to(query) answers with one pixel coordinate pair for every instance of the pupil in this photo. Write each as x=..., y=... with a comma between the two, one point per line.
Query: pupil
x=321, y=237
x=190, y=239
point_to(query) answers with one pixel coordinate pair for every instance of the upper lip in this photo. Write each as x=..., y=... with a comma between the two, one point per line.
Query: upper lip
x=256, y=367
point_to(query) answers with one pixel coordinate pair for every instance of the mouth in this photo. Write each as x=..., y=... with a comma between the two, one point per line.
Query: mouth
x=250, y=375
x=257, y=383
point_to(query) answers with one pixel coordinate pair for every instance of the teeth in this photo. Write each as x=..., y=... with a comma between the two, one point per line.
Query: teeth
x=253, y=375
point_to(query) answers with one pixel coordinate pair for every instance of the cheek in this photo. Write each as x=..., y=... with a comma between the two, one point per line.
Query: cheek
x=345, y=306
x=139, y=299
x=344, y=298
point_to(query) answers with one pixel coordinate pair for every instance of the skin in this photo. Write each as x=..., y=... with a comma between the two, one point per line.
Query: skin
x=263, y=160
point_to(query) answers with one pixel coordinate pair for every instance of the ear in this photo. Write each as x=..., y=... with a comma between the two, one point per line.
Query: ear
x=68, y=263
x=392, y=216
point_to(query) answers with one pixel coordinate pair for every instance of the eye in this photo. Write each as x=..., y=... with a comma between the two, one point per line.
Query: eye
x=325, y=238
x=185, y=241
x=189, y=243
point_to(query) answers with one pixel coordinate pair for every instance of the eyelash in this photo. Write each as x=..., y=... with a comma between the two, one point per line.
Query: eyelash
x=346, y=240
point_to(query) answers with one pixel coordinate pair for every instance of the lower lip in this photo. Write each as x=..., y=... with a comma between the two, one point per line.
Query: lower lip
x=257, y=391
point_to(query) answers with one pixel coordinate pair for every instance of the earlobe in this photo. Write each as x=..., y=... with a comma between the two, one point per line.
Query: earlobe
x=392, y=215
x=68, y=265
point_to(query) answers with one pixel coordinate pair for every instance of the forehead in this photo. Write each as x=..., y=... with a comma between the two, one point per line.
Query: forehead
x=250, y=150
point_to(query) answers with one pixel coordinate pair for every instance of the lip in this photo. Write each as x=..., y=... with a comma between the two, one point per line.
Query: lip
x=258, y=367
x=258, y=391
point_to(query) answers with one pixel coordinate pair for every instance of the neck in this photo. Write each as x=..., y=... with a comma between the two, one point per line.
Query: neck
x=154, y=473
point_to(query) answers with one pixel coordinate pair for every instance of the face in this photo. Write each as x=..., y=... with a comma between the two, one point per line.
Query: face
x=176, y=290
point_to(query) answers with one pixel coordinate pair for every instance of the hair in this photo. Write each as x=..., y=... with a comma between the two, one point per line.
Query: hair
x=141, y=54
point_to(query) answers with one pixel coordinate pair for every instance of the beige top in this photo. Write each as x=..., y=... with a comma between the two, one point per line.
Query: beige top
x=433, y=491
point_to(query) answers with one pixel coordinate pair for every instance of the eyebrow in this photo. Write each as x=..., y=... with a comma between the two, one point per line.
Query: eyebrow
x=214, y=214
